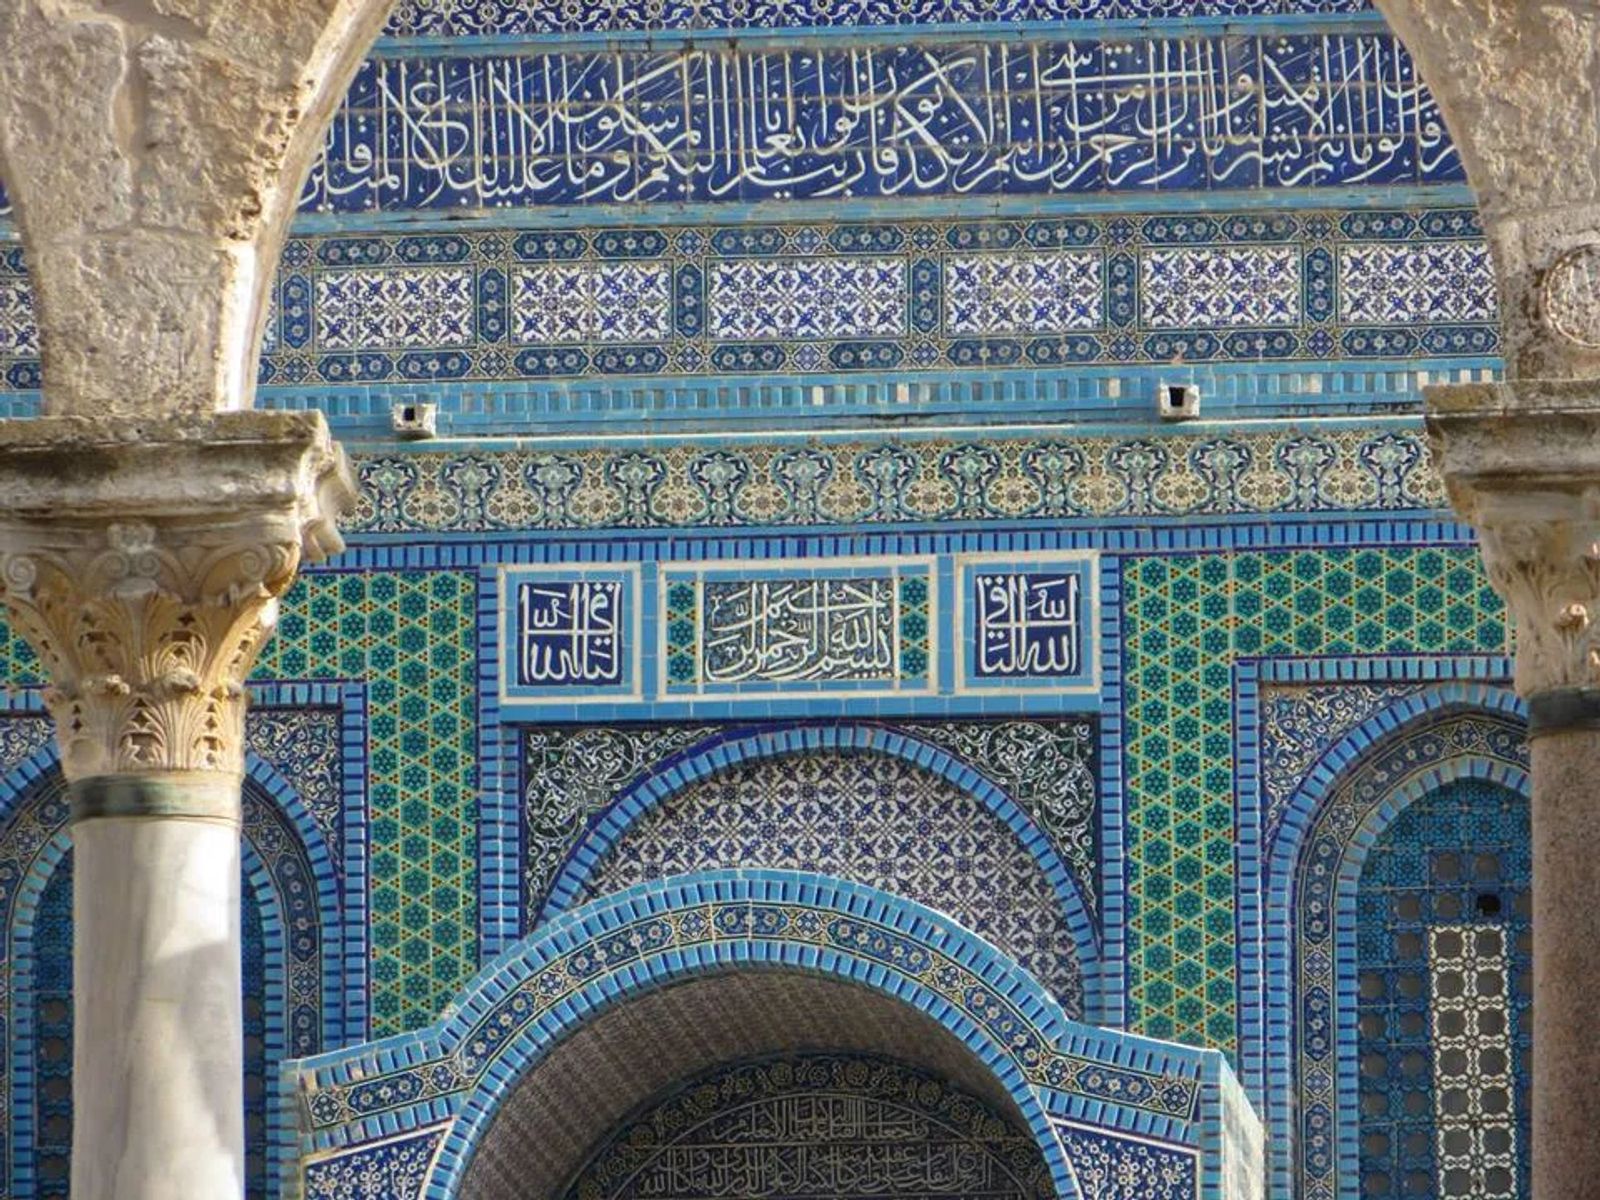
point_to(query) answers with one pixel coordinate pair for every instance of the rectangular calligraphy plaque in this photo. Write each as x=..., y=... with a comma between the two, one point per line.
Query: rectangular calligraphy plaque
x=863, y=626
x=569, y=634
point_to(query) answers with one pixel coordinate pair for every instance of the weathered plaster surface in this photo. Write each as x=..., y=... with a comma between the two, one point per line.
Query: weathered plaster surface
x=1519, y=84
x=154, y=150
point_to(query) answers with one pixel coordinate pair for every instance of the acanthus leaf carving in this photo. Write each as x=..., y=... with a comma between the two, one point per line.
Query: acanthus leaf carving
x=1521, y=462
x=148, y=600
x=147, y=643
x=1542, y=552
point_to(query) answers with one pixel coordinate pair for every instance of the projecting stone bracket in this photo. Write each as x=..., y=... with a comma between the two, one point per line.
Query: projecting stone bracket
x=143, y=559
x=1521, y=462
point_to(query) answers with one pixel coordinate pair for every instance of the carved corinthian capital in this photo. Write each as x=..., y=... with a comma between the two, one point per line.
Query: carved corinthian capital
x=1521, y=462
x=143, y=561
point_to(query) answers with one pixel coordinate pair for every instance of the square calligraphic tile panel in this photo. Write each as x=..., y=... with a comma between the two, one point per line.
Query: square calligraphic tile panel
x=569, y=636
x=1027, y=623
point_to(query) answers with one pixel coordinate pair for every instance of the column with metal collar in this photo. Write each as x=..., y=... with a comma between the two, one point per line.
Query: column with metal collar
x=142, y=560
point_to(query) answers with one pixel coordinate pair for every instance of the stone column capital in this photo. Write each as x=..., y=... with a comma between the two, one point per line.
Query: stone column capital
x=1521, y=462
x=143, y=561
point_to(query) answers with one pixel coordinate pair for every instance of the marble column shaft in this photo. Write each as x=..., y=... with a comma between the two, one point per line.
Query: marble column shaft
x=158, y=1036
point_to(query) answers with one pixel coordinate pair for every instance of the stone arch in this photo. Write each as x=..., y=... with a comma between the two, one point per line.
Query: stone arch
x=746, y=746
x=286, y=863
x=1359, y=787
x=417, y=1111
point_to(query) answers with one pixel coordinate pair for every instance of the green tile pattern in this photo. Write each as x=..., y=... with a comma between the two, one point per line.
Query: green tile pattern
x=409, y=635
x=1187, y=619
x=19, y=665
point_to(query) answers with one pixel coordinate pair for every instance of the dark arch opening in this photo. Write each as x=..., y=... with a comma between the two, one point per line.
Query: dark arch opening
x=569, y=1106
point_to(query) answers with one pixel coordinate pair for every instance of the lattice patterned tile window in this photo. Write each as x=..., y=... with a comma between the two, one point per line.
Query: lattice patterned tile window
x=1444, y=986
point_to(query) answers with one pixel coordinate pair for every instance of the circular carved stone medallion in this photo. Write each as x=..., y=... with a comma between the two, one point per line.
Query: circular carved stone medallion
x=1572, y=296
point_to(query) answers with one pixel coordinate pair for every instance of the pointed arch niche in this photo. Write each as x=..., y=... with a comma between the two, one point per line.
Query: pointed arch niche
x=1366, y=910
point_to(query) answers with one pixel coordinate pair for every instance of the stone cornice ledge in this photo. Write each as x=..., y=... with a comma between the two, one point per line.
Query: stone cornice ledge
x=143, y=559
x=1521, y=462
x=63, y=469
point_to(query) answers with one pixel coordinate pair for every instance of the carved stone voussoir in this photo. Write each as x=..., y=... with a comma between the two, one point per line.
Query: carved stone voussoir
x=143, y=562
x=1521, y=462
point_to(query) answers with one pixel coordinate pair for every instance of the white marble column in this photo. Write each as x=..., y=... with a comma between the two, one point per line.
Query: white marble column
x=1522, y=463
x=158, y=1030
x=143, y=561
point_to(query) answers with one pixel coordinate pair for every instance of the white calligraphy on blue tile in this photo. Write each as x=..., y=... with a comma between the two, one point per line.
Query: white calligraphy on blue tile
x=784, y=630
x=1029, y=625
x=569, y=634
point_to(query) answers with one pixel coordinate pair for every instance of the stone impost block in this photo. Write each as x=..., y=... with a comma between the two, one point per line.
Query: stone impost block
x=1521, y=462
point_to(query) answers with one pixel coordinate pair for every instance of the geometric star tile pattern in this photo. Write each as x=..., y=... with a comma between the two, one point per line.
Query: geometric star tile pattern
x=870, y=819
x=430, y=306
x=609, y=302
x=19, y=335
x=410, y=636
x=1021, y=292
x=809, y=298
x=1187, y=618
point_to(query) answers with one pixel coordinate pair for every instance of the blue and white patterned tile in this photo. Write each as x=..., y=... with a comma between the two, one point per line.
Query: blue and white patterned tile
x=465, y=18
x=1109, y=1167
x=754, y=300
x=396, y=1170
x=1411, y=284
x=871, y=819
x=395, y=309
x=19, y=334
x=565, y=303
x=1221, y=287
x=1046, y=292
x=965, y=297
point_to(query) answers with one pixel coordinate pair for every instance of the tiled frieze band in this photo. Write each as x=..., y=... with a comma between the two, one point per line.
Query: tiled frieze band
x=891, y=118
x=1381, y=466
x=489, y=18
x=825, y=300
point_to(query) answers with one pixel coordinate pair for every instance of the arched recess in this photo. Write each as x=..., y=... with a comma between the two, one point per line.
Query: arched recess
x=284, y=867
x=683, y=972
x=1360, y=786
x=743, y=747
